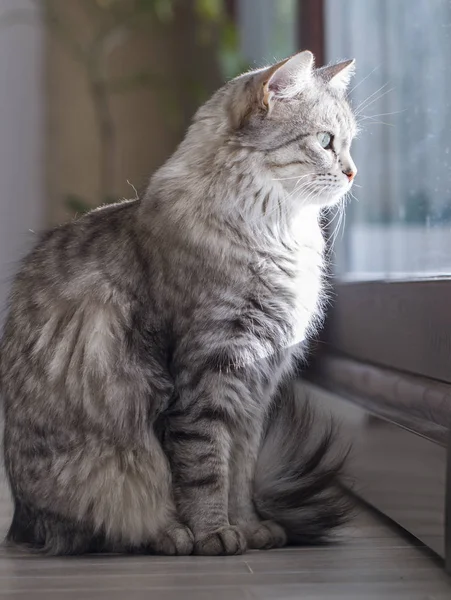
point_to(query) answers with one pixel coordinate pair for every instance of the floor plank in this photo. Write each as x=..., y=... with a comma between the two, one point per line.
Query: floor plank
x=370, y=560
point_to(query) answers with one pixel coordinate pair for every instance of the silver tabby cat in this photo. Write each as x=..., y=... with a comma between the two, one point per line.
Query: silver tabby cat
x=146, y=356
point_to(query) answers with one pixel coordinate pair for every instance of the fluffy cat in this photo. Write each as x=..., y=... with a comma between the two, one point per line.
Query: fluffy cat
x=146, y=356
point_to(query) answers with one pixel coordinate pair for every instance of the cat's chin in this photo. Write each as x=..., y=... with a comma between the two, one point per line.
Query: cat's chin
x=326, y=201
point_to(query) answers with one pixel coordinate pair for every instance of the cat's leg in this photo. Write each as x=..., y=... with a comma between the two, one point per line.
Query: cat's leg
x=47, y=533
x=259, y=534
x=98, y=497
x=199, y=443
x=80, y=450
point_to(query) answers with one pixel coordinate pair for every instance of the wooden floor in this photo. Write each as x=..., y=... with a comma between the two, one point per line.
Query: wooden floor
x=373, y=561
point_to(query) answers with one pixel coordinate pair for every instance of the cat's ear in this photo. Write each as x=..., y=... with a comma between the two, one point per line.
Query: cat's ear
x=338, y=76
x=286, y=78
x=261, y=88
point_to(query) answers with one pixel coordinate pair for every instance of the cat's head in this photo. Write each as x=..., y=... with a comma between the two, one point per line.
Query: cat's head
x=299, y=122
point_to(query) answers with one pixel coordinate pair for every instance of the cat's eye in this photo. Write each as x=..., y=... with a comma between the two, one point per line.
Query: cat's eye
x=325, y=139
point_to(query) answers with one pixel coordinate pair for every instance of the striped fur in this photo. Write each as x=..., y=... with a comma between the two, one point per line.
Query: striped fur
x=146, y=342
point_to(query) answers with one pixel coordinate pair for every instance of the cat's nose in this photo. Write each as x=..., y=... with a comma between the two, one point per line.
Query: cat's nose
x=350, y=173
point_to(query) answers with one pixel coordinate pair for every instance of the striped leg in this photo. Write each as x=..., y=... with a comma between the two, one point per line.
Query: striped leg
x=199, y=443
x=259, y=534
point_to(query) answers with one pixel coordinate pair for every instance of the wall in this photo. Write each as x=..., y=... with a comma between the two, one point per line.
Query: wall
x=145, y=131
x=21, y=137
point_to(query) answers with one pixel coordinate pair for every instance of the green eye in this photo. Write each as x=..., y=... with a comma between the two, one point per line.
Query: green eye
x=325, y=139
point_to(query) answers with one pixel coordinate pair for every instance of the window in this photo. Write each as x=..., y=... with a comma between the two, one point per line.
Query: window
x=392, y=263
x=401, y=226
x=388, y=340
x=268, y=29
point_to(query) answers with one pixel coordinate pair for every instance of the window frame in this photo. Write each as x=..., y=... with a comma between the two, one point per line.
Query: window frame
x=385, y=350
x=404, y=325
x=311, y=30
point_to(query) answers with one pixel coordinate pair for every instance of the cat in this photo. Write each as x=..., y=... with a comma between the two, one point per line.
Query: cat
x=147, y=355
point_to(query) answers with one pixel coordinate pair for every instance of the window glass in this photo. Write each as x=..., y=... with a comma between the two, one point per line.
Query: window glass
x=267, y=30
x=399, y=224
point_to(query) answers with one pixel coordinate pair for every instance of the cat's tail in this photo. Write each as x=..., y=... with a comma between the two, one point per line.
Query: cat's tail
x=298, y=479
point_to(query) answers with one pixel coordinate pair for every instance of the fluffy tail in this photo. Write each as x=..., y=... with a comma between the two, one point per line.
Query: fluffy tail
x=299, y=472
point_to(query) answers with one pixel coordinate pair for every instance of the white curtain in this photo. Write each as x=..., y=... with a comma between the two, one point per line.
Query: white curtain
x=22, y=160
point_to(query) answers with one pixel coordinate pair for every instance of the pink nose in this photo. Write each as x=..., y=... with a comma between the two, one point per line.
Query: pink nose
x=350, y=174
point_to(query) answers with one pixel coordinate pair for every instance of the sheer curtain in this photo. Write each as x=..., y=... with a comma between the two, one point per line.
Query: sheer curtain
x=401, y=225
x=22, y=160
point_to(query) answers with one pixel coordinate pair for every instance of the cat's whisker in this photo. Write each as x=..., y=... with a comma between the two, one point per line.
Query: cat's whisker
x=308, y=188
x=295, y=177
x=309, y=195
x=358, y=113
x=379, y=123
x=363, y=80
x=361, y=104
x=386, y=114
x=303, y=187
x=334, y=210
x=330, y=239
x=341, y=213
x=300, y=185
x=344, y=217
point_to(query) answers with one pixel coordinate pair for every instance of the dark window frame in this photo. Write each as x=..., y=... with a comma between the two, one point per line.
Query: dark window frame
x=403, y=325
x=311, y=28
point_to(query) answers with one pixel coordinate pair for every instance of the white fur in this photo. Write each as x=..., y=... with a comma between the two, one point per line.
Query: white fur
x=125, y=493
x=289, y=79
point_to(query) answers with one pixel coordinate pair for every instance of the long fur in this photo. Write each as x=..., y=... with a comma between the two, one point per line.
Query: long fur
x=146, y=342
x=300, y=471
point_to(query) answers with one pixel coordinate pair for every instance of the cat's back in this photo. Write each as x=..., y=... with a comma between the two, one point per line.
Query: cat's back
x=80, y=255
x=80, y=281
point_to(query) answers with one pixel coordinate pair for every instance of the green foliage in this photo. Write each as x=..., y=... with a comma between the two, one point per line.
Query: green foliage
x=114, y=24
x=231, y=61
x=76, y=204
x=126, y=10
x=164, y=10
x=79, y=206
x=210, y=10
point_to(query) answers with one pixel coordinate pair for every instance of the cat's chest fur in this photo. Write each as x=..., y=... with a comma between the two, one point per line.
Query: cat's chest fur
x=256, y=301
x=289, y=286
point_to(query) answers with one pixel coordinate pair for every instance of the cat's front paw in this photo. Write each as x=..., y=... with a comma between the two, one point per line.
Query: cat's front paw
x=225, y=541
x=175, y=541
x=265, y=535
